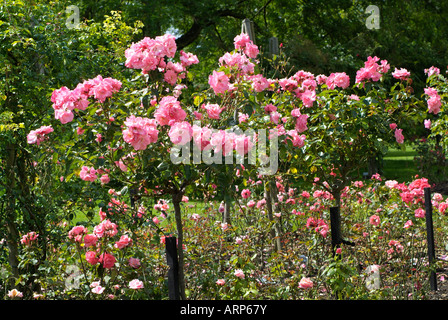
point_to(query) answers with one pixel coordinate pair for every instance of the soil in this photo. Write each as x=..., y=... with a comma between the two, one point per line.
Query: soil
x=441, y=293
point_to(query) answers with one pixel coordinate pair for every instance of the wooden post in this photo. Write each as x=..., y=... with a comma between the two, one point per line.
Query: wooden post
x=273, y=46
x=335, y=224
x=430, y=237
x=336, y=234
x=173, y=272
x=248, y=28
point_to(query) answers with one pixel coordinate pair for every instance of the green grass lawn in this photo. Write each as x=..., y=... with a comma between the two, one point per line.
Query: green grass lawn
x=399, y=164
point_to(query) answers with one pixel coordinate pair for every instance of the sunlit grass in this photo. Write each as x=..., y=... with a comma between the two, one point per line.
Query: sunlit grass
x=399, y=164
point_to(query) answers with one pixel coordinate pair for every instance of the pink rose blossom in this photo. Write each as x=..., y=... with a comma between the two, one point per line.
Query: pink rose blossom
x=419, y=213
x=107, y=260
x=213, y=110
x=220, y=282
x=105, y=179
x=188, y=59
x=88, y=174
x=431, y=71
x=91, y=258
x=169, y=111
x=134, y=263
x=401, y=74
x=124, y=241
x=241, y=40
x=90, y=240
x=38, y=135
x=375, y=220
x=339, y=79
x=136, y=284
x=180, y=133
x=76, y=233
x=219, y=82
x=239, y=274
x=399, y=136
x=245, y=193
x=140, y=132
x=305, y=283
x=29, y=238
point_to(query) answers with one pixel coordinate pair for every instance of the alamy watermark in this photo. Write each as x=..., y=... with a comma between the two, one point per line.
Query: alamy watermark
x=249, y=144
x=72, y=281
x=373, y=21
x=72, y=21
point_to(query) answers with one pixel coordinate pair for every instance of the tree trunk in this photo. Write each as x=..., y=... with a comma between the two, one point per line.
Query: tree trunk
x=227, y=210
x=275, y=232
x=13, y=234
x=177, y=198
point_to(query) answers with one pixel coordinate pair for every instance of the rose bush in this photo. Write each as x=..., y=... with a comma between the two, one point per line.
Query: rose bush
x=135, y=135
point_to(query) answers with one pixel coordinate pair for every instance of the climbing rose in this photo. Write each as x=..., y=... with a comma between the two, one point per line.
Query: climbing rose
x=136, y=284
x=241, y=40
x=401, y=74
x=180, y=133
x=213, y=110
x=90, y=240
x=399, y=136
x=77, y=232
x=305, y=283
x=88, y=174
x=107, y=260
x=339, y=79
x=169, y=111
x=245, y=193
x=38, y=135
x=188, y=59
x=239, y=273
x=140, y=132
x=374, y=220
x=134, y=263
x=219, y=82
x=29, y=238
x=91, y=257
x=124, y=241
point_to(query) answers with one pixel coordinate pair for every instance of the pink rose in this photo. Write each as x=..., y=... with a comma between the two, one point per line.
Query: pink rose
x=251, y=50
x=90, y=240
x=399, y=136
x=37, y=136
x=301, y=123
x=77, y=232
x=88, y=174
x=220, y=282
x=124, y=241
x=245, y=193
x=419, y=213
x=136, y=284
x=134, y=263
x=107, y=260
x=180, y=133
x=401, y=74
x=140, y=132
x=169, y=111
x=374, y=220
x=305, y=283
x=241, y=40
x=239, y=274
x=105, y=179
x=219, y=82
x=188, y=59
x=91, y=258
